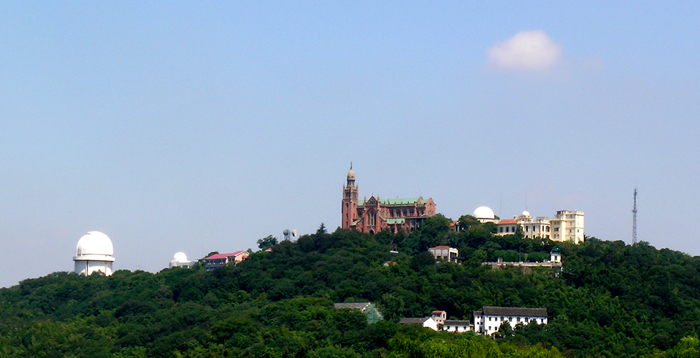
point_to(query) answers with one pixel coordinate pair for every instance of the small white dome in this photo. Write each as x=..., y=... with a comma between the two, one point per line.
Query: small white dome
x=180, y=257
x=94, y=243
x=484, y=212
x=351, y=174
x=526, y=213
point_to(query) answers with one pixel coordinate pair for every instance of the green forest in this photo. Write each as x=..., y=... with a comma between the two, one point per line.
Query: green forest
x=608, y=300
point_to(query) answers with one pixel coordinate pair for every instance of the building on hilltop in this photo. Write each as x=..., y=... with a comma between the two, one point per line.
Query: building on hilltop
x=568, y=226
x=484, y=214
x=220, y=260
x=565, y=226
x=94, y=254
x=375, y=214
x=531, y=227
x=180, y=260
x=489, y=319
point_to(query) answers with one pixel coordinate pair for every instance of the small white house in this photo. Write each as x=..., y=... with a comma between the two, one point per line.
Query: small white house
x=555, y=255
x=444, y=253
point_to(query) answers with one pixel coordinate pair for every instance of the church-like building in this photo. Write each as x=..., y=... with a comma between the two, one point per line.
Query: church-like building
x=375, y=214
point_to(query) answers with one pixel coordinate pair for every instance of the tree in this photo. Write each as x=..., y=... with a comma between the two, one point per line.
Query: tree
x=266, y=242
x=321, y=229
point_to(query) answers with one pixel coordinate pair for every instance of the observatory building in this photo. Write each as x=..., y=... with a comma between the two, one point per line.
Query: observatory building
x=374, y=214
x=180, y=260
x=484, y=214
x=94, y=253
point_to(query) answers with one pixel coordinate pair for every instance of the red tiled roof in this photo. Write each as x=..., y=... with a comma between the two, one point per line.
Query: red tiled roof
x=223, y=256
x=434, y=312
x=507, y=222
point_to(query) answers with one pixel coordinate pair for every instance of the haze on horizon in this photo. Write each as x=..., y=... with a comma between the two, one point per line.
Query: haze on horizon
x=200, y=127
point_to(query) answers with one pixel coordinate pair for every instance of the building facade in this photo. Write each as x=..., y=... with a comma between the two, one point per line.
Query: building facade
x=489, y=319
x=568, y=226
x=565, y=226
x=444, y=253
x=375, y=214
x=531, y=227
x=458, y=326
x=220, y=260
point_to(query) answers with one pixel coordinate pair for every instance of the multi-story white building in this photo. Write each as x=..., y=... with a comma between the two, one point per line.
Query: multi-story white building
x=565, y=226
x=531, y=227
x=568, y=226
x=489, y=319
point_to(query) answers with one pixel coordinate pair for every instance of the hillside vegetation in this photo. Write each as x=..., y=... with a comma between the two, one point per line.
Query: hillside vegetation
x=610, y=299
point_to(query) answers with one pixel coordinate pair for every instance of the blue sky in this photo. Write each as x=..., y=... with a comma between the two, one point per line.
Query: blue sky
x=200, y=127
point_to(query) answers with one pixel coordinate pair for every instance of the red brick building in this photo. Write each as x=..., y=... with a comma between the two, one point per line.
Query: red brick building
x=375, y=214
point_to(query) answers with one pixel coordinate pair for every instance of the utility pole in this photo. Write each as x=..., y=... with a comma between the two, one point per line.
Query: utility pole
x=634, y=219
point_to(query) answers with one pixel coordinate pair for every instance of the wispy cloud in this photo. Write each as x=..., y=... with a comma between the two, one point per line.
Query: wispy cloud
x=527, y=50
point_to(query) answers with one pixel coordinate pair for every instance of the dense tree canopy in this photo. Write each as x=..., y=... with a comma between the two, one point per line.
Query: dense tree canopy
x=610, y=299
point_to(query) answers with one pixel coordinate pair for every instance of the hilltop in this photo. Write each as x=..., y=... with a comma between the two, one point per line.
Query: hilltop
x=609, y=299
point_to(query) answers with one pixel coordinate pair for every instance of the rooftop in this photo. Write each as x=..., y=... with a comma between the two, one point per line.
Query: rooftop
x=514, y=311
x=223, y=256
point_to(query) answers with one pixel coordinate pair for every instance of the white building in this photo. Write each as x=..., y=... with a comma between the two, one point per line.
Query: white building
x=531, y=227
x=565, y=226
x=180, y=260
x=568, y=226
x=489, y=319
x=484, y=214
x=555, y=255
x=444, y=253
x=94, y=253
x=458, y=326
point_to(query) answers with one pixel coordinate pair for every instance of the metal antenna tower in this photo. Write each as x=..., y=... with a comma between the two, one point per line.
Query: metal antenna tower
x=634, y=219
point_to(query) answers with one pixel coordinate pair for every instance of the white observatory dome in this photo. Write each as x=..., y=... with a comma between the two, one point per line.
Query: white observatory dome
x=180, y=257
x=484, y=213
x=93, y=254
x=526, y=213
x=94, y=243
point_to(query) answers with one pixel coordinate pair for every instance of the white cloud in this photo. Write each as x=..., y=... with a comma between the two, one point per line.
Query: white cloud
x=527, y=50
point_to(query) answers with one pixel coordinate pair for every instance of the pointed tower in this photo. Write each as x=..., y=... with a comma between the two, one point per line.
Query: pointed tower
x=349, y=204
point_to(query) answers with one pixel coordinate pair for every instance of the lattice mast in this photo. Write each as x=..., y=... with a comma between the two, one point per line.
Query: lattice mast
x=634, y=219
